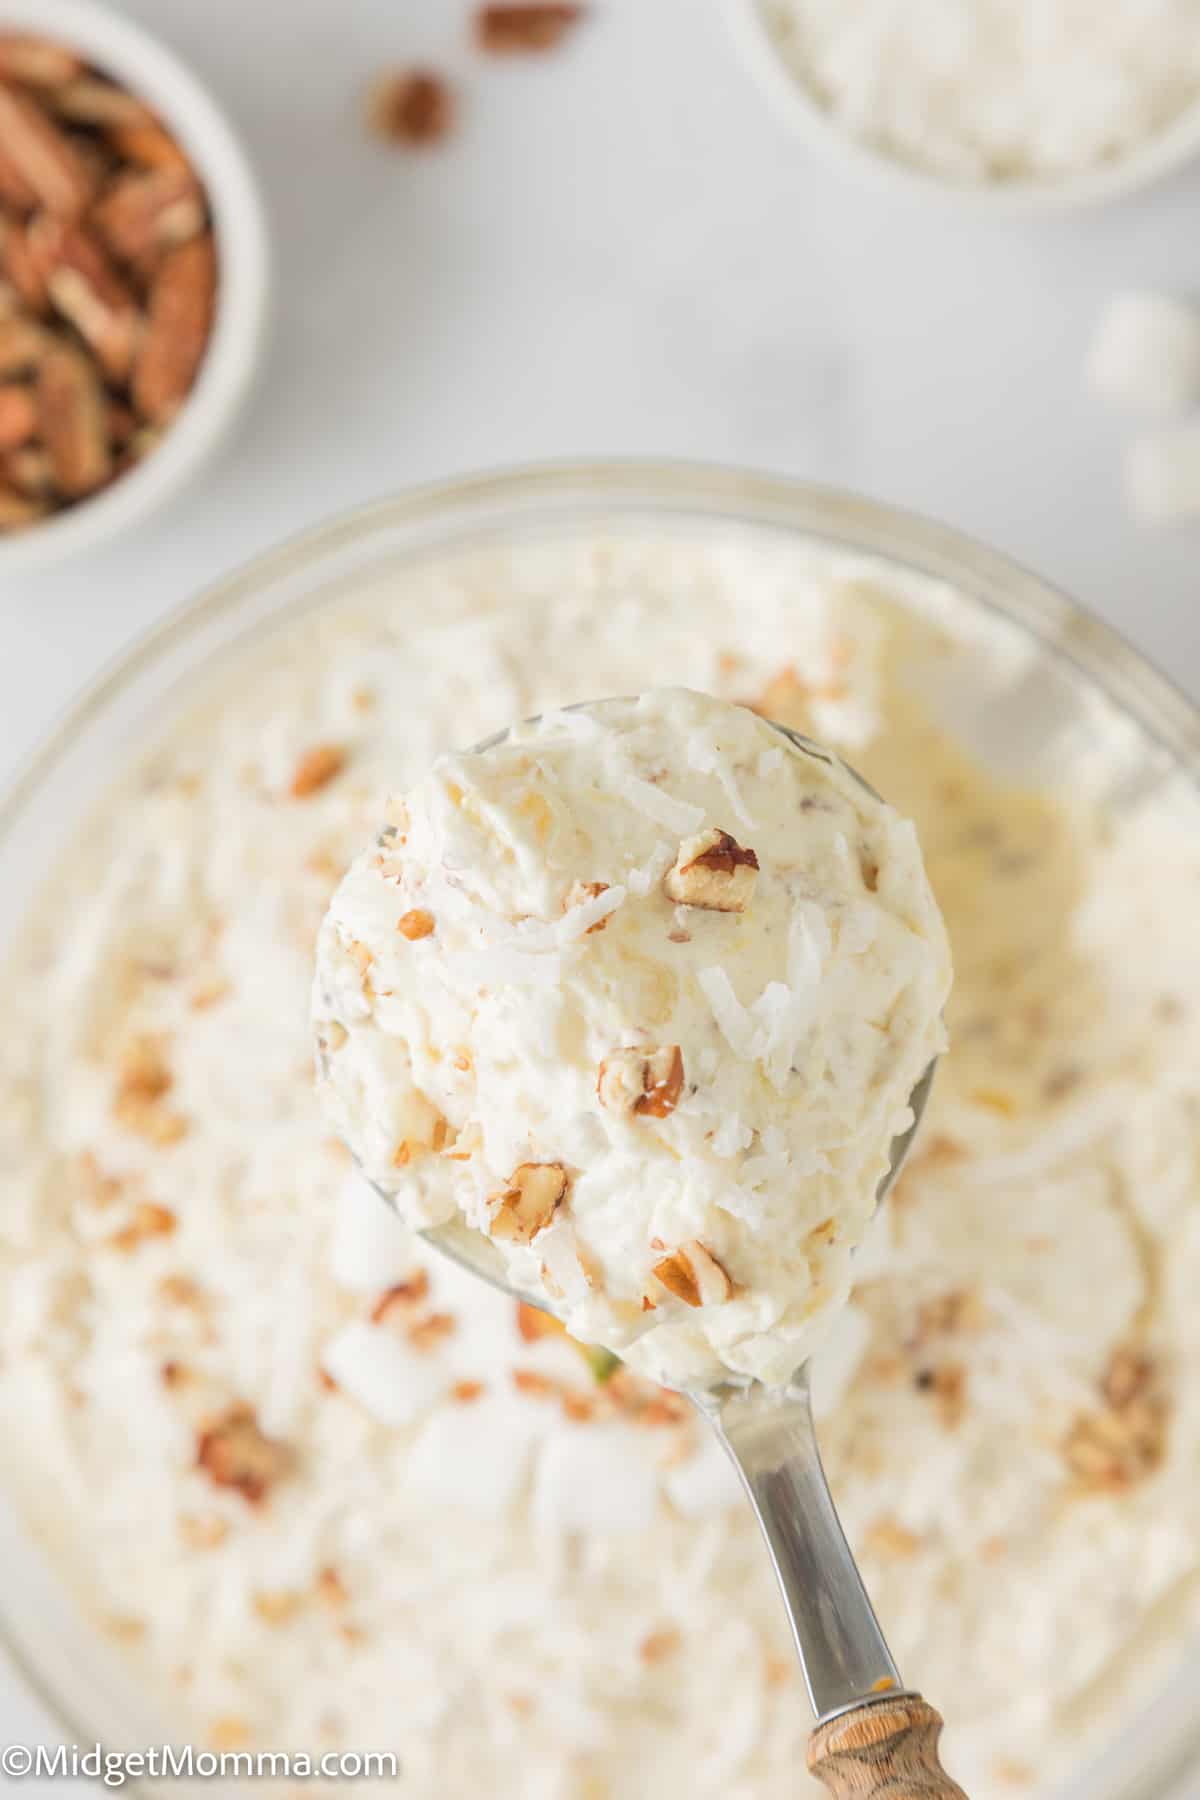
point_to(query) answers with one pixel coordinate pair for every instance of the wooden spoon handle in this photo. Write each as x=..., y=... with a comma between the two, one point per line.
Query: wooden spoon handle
x=886, y=1747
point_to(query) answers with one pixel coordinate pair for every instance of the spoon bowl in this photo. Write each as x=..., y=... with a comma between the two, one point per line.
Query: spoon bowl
x=475, y=1252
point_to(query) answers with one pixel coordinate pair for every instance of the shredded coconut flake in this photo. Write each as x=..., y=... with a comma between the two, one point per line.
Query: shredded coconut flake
x=578, y=920
x=649, y=876
x=705, y=755
x=736, y=1025
x=676, y=815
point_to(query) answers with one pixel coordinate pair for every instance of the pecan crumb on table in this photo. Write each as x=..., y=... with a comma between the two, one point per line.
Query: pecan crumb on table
x=505, y=30
x=413, y=108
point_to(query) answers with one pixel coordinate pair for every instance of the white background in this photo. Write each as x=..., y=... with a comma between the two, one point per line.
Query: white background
x=623, y=251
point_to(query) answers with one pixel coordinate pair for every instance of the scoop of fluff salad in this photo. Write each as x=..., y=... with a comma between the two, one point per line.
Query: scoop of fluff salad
x=641, y=993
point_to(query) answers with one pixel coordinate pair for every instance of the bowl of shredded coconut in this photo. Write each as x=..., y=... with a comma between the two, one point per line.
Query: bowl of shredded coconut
x=1029, y=104
x=276, y=1477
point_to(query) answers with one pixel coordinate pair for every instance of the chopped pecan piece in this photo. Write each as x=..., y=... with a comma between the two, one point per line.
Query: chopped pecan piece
x=276, y=1606
x=537, y=25
x=36, y=61
x=179, y=1290
x=400, y=1298
x=784, y=700
x=234, y=1453
x=947, y=1385
x=579, y=1408
x=143, y=1081
x=331, y=1589
x=23, y=267
x=621, y=1080
x=15, y=190
x=412, y=107
x=316, y=768
x=693, y=1274
x=662, y=1083
x=1130, y=1376
x=646, y=1082
x=889, y=1538
x=143, y=1070
x=415, y=925
x=85, y=289
x=149, y=1221
x=657, y=1646
x=1111, y=1451
x=529, y=1203
x=425, y=1334
x=712, y=871
x=228, y=1732
x=142, y=214
x=182, y=299
x=1124, y=1440
x=959, y=1310
x=18, y=417
x=72, y=418
x=534, y=1383
x=938, y=1152
x=45, y=156
x=144, y=141
x=90, y=100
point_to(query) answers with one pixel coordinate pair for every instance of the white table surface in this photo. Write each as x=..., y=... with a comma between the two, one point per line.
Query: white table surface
x=623, y=251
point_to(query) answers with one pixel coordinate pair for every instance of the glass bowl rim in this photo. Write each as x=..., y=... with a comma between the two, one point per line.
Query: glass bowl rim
x=660, y=488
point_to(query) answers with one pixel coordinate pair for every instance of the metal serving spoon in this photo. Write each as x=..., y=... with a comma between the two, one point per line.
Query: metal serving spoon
x=871, y=1734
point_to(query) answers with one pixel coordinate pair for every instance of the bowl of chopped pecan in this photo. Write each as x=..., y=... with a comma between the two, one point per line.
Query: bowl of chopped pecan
x=133, y=276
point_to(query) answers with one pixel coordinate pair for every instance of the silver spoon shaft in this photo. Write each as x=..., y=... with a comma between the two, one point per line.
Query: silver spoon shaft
x=770, y=1437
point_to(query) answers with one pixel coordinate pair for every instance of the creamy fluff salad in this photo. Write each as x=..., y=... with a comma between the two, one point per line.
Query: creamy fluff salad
x=316, y=1487
x=658, y=1066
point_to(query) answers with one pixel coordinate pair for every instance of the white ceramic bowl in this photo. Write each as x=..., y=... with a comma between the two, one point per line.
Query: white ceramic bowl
x=1152, y=161
x=129, y=54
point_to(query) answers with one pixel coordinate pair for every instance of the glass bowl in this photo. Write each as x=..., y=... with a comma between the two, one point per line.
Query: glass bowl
x=1069, y=680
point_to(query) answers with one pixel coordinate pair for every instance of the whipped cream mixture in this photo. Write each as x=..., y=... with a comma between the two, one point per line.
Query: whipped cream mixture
x=317, y=1487
x=659, y=1066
